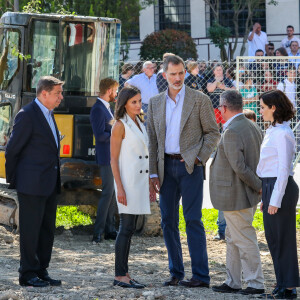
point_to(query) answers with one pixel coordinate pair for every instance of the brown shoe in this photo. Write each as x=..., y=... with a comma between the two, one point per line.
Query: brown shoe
x=172, y=281
x=193, y=283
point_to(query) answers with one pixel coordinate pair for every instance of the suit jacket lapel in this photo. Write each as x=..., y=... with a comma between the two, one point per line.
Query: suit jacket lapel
x=187, y=108
x=136, y=130
x=45, y=124
x=57, y=133
x=162, y=118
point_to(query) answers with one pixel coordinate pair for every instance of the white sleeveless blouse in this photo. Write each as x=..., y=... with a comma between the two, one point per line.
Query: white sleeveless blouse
x=134, y=168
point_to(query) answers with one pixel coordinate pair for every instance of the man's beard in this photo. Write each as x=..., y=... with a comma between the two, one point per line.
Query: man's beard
x=175, y=87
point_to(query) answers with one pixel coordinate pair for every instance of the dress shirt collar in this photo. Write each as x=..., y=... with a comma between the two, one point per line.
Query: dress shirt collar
x=179, y=96
x=43, y=108
x=106, y=104
x=291, y=54
x=284, y=123
x=230, y=120
x=146, y=77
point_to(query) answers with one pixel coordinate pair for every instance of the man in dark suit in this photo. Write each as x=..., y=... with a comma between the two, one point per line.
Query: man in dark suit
x=33, y=168
x=100, y=118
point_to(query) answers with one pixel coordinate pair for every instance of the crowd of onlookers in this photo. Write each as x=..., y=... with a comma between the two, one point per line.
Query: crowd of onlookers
x=267, y=70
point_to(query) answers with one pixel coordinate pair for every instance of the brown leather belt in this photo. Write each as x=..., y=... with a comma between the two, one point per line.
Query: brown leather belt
x=174, y=156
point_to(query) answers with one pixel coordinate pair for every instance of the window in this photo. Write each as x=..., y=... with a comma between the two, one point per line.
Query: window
x=44, y=53
x=226, y=16
x=172, y=14
x=90, y=53
x=9, y=60
x=5, y=115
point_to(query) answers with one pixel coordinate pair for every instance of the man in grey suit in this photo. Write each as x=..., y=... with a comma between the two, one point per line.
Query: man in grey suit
x=182, y=134
x=235, y=189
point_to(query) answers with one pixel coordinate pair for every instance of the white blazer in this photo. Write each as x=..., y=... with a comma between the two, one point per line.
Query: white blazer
x=134, y=169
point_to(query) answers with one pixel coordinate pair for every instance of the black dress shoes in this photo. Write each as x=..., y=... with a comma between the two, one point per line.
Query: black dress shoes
x=281, y=293
x=131, y=284
x=173, y=281
x=97, y=240
x=111, y=235
x=251, y=291
x=219, y=237
x=193, y=282
x=52, y=282
x=224, y=288
x=35, y=282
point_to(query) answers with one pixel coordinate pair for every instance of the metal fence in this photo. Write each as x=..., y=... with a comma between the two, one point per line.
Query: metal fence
x=250, y=75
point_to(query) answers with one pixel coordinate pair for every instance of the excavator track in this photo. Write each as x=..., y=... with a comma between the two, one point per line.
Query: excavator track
x=9, y=207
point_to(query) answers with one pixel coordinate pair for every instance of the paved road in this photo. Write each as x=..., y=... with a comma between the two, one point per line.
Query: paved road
x=206, y=198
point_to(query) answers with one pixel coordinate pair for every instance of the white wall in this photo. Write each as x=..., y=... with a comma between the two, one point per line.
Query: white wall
x=146, y=21
x=281, y=15
x=198, y=26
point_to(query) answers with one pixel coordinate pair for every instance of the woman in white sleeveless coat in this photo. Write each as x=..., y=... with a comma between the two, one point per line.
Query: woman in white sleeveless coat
x=130, y=167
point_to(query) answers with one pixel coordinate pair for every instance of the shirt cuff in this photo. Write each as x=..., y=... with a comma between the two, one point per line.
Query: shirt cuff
x=276, y=198
x=153, y=176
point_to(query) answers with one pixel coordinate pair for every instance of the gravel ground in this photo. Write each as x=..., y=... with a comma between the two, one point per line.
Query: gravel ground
x=87, y=270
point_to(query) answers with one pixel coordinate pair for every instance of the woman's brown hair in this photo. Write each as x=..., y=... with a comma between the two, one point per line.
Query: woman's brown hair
x=125, y=94
x=284, y=108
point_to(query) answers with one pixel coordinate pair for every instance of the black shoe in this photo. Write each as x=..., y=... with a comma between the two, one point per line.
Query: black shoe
x=173, y=281
x=224, y=288
x=135, y=281
x=110, y=236
x=283, y=293
x=35, y=282
x=131, y=284
x=219, y=237
x=193, y=282
x=52, y=282
x=97, y=240
x=251, y=291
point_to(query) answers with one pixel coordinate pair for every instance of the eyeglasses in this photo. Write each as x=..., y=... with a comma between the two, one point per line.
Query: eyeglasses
x=271, y=48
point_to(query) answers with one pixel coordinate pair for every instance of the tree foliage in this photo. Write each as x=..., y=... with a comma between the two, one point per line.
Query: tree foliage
x=178, y=42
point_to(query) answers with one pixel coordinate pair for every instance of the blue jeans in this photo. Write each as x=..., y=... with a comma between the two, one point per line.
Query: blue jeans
x=178, y=182
x=221, y=222
x=107, y=204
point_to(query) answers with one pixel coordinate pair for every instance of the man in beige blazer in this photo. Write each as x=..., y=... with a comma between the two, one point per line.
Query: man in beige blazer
x=235, y=189
x=182, y=135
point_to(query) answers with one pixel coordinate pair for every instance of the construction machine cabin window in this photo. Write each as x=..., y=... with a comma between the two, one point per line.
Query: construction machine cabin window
x=44, y=51
x=5, y=116
x=9, y=60
x=88, y=55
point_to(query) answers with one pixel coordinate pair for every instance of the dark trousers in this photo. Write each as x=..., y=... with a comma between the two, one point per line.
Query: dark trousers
x=221, y=222
x=178, y=182
x=37, y=217
x=123, y=241
x=280, y=231
x=107, y=204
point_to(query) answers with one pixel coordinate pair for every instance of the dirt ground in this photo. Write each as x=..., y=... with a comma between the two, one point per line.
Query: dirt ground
x=87, y=270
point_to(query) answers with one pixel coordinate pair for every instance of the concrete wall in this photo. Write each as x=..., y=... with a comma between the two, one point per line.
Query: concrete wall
x=198, y=27
x=146, y=21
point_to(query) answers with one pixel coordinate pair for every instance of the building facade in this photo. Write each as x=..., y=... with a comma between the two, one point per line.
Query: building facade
x=195, y=17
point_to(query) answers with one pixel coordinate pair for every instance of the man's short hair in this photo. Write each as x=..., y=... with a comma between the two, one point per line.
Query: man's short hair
x=168, y=54
x=249, y=114
x=106, y=84
x=294, y=42
x=147, y=63
x=47, y=83
x=232, y=99
x=126, y=67
x=291, y=68
x=174, y=60
x=259, y=50
x=290, y=26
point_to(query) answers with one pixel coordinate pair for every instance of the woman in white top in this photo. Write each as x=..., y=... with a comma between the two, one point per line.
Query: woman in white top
x=130, y=167
x=279, y=192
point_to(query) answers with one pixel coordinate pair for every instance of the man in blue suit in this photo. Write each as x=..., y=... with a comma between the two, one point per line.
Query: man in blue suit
x=100, y=118
x=33, y=168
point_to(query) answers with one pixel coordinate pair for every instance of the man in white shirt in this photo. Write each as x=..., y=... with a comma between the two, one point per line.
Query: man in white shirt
x=235, y=190
x=146, y=83
x=294, y=51
x=286, y=42
x=182, y=132
x=100, y=118
x=288, y=86
x=257, y=39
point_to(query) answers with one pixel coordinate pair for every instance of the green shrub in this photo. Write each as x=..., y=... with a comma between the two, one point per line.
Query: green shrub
x=178, y=42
